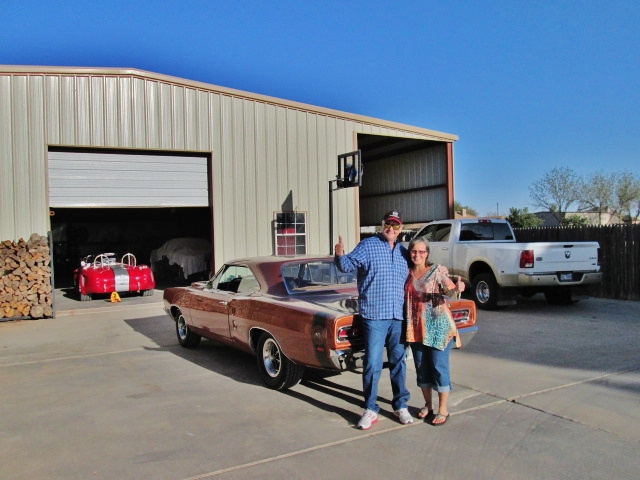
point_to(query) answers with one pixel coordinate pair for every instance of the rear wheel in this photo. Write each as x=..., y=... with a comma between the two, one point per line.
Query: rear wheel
x=485, y=291
x=186, y=337
x=277, y=371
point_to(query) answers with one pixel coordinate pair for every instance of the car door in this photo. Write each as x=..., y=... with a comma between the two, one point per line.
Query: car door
x=210, y=308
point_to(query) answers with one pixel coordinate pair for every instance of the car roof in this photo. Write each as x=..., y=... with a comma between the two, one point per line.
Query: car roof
x=268, y=268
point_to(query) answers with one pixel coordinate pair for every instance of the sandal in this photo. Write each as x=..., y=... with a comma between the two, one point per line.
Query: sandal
x=425, y=412
x=439, y=416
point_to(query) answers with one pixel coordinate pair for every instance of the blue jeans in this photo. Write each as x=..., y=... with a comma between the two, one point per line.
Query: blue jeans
x=377, y=334
x=432, y=366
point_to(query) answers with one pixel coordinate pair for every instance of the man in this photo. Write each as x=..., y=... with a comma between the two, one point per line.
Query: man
x=382, y=268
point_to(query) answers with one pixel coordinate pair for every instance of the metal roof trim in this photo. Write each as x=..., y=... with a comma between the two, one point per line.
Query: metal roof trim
x=134, y=72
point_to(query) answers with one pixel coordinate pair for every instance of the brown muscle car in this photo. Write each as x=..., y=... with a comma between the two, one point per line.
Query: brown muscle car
x=290, y=312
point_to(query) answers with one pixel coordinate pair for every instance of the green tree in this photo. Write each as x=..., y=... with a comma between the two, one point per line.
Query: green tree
x=574, y=220
x=556, y=191
x=458, y=207
x=522, y=218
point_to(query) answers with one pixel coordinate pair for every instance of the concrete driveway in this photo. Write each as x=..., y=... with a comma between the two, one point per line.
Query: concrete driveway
x=104, y=391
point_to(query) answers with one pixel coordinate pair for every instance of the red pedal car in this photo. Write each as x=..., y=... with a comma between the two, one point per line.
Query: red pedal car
x=104, y=274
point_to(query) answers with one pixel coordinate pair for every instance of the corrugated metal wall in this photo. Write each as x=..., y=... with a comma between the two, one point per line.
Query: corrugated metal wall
x=415, y=183
x=264, y=150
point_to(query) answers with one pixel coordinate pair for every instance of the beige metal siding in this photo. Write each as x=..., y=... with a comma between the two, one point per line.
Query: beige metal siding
x=264, y=150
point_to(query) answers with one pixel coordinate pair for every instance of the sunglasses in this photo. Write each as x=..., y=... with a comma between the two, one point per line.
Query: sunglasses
x=395, y=226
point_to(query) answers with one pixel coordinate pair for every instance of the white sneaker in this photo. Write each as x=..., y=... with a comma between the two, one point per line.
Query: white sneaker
x=404, y=416
x=369, y=417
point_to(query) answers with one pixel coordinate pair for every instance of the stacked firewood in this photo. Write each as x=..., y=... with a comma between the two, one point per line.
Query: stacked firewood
x=25, y=278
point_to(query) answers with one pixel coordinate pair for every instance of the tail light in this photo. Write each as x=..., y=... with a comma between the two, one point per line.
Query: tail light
x=344, y=333
x=348, y=329
x=526, y=259
x=462, y=317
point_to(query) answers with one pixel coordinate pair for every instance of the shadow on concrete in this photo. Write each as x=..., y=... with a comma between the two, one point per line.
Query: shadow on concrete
x=242, y=367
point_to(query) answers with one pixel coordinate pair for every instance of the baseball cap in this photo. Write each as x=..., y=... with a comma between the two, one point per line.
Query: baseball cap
x=392, y=216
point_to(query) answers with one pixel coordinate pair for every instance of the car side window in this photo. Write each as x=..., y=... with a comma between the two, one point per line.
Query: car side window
x=230, y=278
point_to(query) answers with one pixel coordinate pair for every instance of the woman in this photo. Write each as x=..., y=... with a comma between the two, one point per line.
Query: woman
x=431, y=337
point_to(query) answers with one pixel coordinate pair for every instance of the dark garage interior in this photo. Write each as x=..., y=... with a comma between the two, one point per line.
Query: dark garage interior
x=77, y=232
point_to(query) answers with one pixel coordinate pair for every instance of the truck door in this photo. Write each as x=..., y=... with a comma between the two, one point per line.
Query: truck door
x=439, y=237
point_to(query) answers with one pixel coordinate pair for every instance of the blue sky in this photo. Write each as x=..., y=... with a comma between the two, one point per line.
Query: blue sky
x=527, y=85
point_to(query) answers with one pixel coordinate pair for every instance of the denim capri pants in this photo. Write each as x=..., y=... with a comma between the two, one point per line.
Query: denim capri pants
x=432, y=366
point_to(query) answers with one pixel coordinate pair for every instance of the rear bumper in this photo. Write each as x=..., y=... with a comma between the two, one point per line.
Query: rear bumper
x=559, y=279
x=466, y=334
x=347, y=359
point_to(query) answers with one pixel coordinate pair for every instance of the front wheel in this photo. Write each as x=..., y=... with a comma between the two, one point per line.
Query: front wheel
x=485, y=291
x=277, y=371
x=186, y=337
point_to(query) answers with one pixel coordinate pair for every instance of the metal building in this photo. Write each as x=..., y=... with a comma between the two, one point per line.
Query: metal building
x=136, y=157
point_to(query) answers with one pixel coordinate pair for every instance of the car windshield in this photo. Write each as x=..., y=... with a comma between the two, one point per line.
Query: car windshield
x=314, y=275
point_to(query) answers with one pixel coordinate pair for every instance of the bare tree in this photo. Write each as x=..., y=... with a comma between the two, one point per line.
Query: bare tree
x=556, y=191
x=597, y=193
x=626, y=197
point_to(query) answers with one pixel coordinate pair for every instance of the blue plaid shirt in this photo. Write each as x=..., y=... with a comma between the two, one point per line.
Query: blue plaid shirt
x=382, y=273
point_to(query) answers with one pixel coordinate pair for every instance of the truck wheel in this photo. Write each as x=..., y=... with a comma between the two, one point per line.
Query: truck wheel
x=558, y=296
x=485, y=291
x=186, y=337
x=277, y=371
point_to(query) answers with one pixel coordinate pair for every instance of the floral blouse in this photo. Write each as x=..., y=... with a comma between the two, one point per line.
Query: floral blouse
x=422, y=325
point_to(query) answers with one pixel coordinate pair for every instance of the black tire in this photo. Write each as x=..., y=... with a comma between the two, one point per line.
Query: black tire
x=485, y=291
x=83, y=297
x=147, y=293
x=277, y=371
x=186, y=337
x=558, y=296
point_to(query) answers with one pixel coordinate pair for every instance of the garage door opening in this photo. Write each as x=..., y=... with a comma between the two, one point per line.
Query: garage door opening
x=410, y=175
x=119, y=201
x=78, y=232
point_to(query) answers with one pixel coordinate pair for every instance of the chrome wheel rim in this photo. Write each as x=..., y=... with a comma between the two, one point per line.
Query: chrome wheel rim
x=482, y=292
x=271, y=357
x=182, y=328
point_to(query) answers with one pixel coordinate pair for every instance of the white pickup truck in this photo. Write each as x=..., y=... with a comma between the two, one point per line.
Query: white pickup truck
x=485, y=254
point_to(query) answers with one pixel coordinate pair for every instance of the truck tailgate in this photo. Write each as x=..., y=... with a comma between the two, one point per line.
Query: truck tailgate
x=565, y=257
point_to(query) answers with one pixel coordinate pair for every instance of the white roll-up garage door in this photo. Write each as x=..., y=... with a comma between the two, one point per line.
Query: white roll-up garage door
x=101, y=179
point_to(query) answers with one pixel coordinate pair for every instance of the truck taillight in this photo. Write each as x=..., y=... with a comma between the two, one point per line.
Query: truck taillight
x=526, y=259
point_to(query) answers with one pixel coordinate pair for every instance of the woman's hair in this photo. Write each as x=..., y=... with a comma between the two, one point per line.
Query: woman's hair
x=417, y=240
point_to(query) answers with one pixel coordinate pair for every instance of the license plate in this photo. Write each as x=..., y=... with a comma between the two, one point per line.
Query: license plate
x=566, y=277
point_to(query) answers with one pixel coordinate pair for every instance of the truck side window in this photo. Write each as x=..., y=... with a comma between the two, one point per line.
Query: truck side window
x=428, y=232
x=442, y=233
x=436, y=233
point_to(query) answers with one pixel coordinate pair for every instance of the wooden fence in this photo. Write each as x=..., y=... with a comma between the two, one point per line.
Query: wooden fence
x=619, y=254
